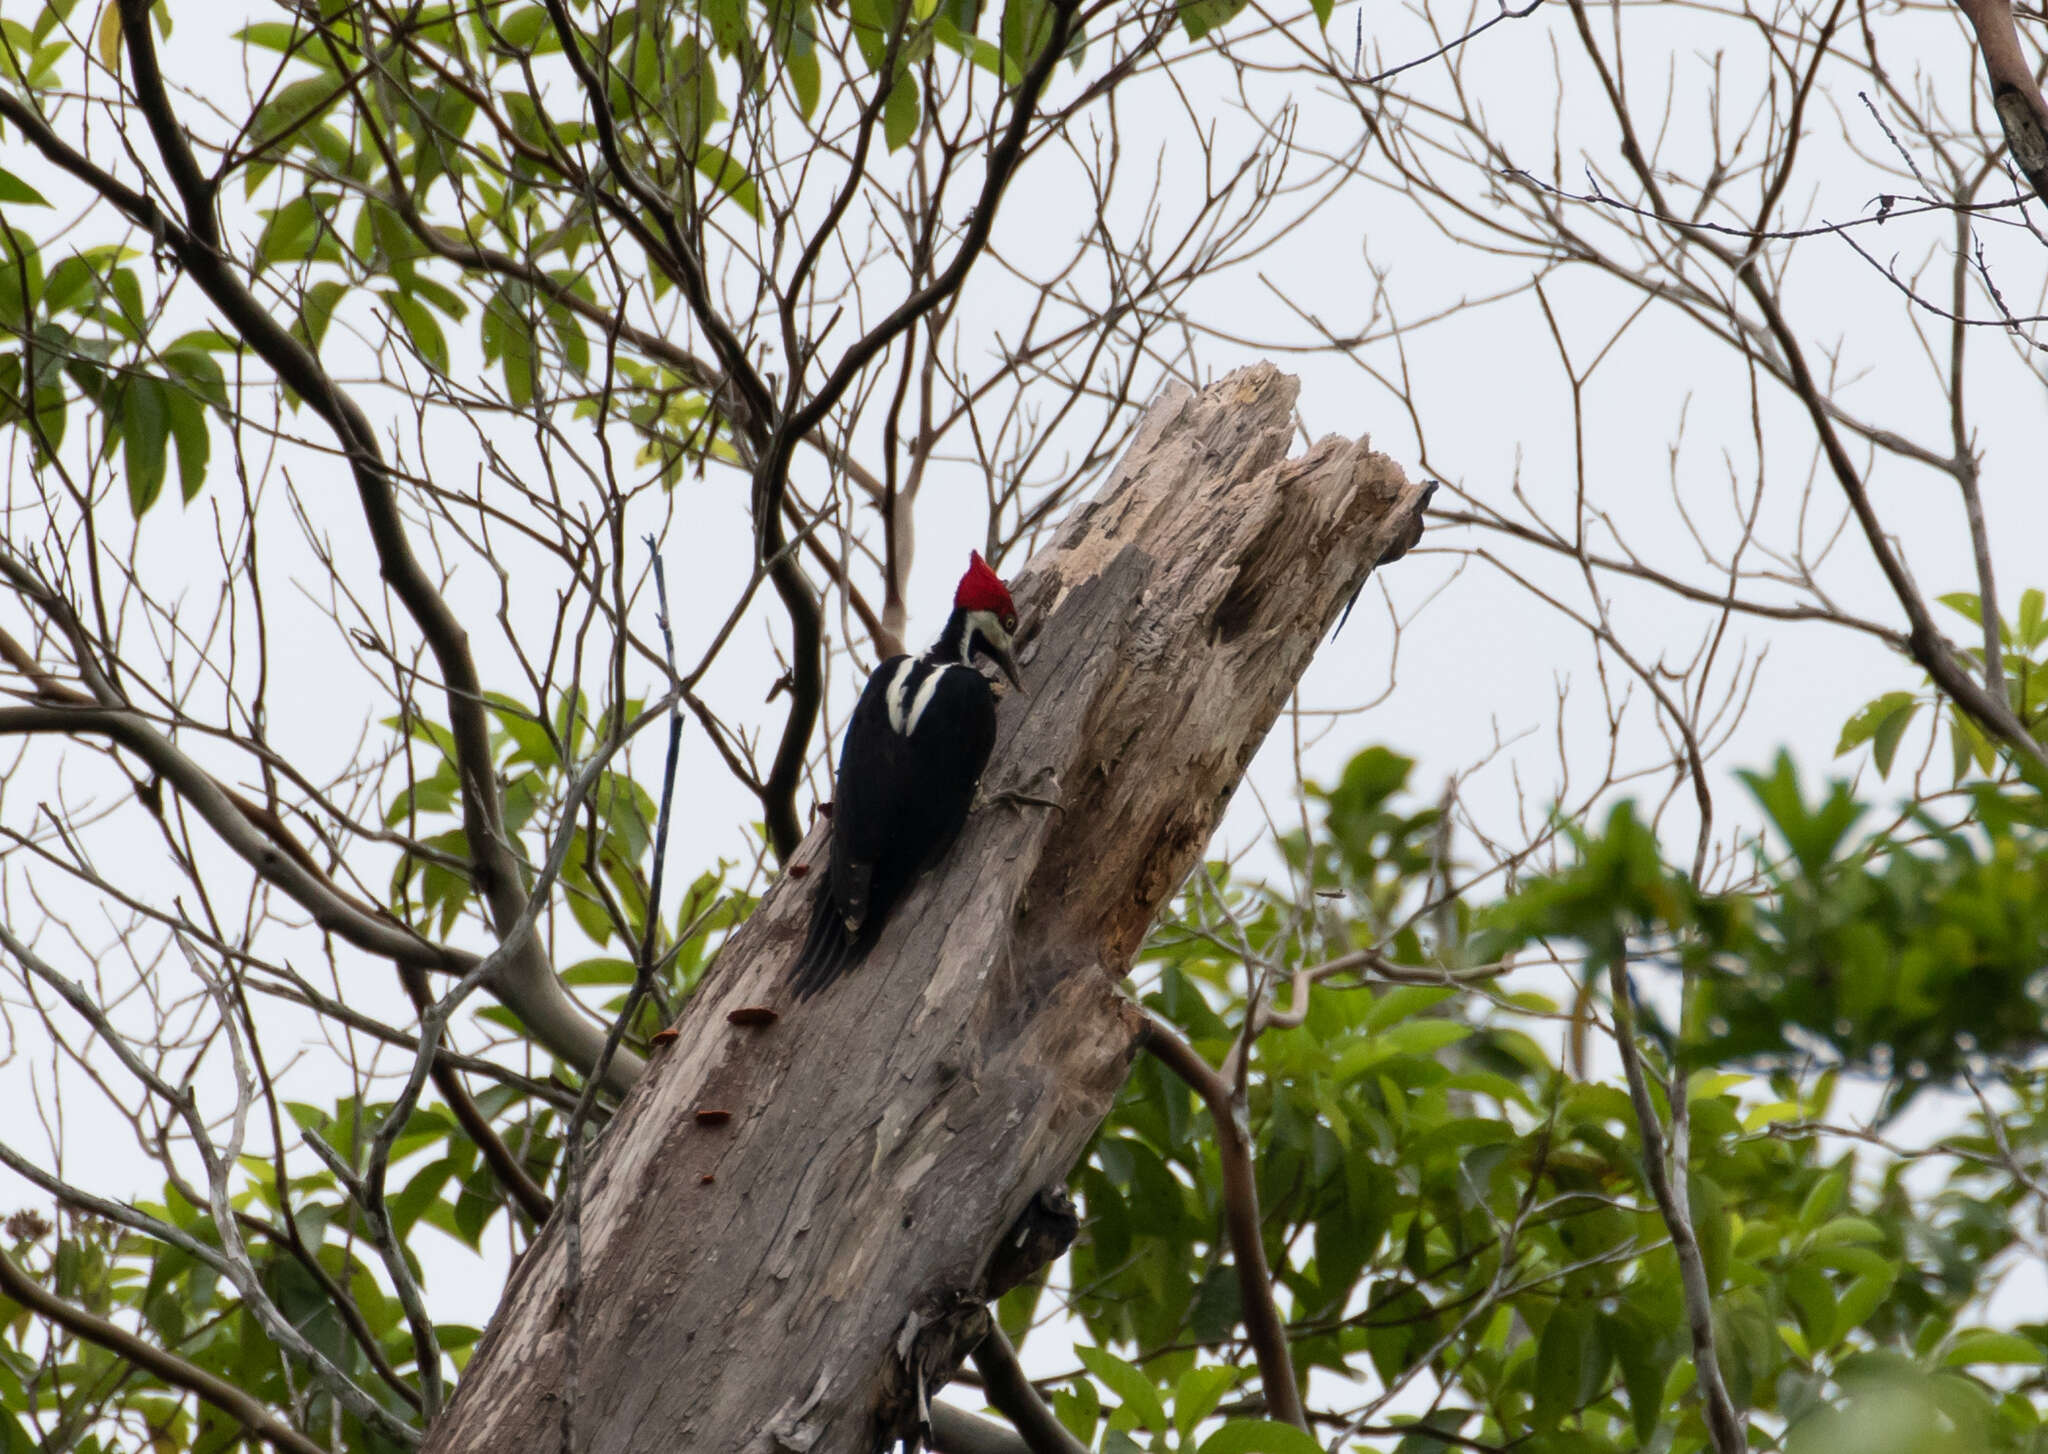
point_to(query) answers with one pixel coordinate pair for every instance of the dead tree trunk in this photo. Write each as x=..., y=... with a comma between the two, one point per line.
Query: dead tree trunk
x=779, y=1215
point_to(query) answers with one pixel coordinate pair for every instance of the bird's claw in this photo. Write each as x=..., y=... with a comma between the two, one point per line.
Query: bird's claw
x=1018, y=802
x=1017, y=799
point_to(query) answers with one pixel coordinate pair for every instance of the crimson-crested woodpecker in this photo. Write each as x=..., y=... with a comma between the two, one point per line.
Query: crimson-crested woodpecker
x=908, y=771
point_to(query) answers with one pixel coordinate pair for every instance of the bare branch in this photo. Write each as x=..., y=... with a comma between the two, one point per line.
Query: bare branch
x=245, y=1410
x=1264, y=1327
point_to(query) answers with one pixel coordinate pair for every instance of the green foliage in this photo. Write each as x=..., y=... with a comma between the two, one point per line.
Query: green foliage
x=80, y=329
x=1900, y=953
x=2023, y=655
x=1443, y=1203
x=604, y=879
x=344, y=178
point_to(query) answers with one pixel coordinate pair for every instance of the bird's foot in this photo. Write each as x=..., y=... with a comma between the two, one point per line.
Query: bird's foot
x=1017, y=797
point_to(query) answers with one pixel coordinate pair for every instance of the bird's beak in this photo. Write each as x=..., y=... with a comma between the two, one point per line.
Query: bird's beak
x=1009, y=665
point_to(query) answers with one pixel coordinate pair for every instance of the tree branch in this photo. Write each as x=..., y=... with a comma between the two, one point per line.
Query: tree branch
x=1263, y=1325
x=771, y=476
x=522, y=1188
x=1925, y=642
x=1011, y=1393
x=955, y=1431
x=1724, y=1425
x=527, y=982
x=2015, y=94
x=249, y=1412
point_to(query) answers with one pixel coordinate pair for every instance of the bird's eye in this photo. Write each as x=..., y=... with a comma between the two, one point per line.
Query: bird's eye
x=1009, y=623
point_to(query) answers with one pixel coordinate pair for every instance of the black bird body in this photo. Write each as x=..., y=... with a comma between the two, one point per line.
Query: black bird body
x=908, y=771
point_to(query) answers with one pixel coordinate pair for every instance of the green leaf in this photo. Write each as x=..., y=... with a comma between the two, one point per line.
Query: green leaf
x=421, y=1192
x=317, y=310
x=70, y=283
x=145, y=428
x=1860, y=728
x=1645, y=1360
x=110, y=37
x=530, y=738
x=1197, y=1392
x=273, y=35
x=1885, y=745
x=1813, y=1299
x=128, y=315
x=1969, y=744
x=421, y=327
x=724, y=172
x=1965, y=605
x=1132, y=1387
x=983, y=53
x=805, y=79
x=1078, y=1409
x=295, y=104
x=523, y=28
x=728, y=21
x=191, y=359
x=1403, y=1002
x=1563, y=1351
x=292, y=233
x=901, y=112
x=1418, y=1039
x=2033, y=628
x=1814, y=835
x=14, y=189
x=1990, y=1345
x=601, y=971
x=1259, y=1436
x=508, y=341
x=1199, y=17
x=195, y=444
x=1824, y=1200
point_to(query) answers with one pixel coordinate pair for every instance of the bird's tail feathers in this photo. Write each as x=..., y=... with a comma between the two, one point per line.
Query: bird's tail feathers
x=828, y=952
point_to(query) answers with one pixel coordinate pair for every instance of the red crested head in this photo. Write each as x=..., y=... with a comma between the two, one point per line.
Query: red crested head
x=981, y=589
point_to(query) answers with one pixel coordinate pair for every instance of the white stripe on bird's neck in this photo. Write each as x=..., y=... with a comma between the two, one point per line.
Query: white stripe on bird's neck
x=892, y=695
x=907, y=708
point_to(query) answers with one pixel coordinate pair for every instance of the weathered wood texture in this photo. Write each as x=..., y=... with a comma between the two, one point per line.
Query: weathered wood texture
x=745, y=1284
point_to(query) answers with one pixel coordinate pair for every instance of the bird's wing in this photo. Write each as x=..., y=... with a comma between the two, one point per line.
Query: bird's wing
x=877, y=776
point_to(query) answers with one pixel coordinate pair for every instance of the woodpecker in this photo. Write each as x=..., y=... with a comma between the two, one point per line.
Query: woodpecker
x=908, y=770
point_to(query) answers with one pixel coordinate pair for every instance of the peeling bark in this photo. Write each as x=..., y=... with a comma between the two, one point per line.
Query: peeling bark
x=759, y=1284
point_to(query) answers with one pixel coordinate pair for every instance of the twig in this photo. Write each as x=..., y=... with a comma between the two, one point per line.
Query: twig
x=447, y=1079
x=1995, y=1124
x=1262, y=1322
x=1924, y=642
x=368, y=1193
x=2015, y=94
x=644, y=971
x=239, y=1272
x=1724, y=1425
x=529, y=986
x=249, y=1412
x=231, y=1257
